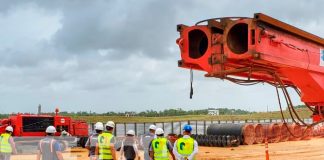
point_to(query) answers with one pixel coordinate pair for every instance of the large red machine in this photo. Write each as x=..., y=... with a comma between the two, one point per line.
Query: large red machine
x=34, y=125
x=259, y=49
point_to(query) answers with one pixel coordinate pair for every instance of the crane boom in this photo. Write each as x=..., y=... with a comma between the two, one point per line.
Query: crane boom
x=258, y=49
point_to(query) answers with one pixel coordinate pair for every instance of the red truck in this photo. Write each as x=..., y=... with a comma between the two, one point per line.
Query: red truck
x=34, y=125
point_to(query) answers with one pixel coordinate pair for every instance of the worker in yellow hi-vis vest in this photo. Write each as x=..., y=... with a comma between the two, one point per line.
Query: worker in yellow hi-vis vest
x=105, y=148
x=185, y=148
x=160, y=147
x=7, y=144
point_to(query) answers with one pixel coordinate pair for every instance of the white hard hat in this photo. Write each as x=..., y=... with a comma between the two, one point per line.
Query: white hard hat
x=50, y=129
x=130, y=132
x=9, y=129
x=153, y=127
x=159, y=131
x=110, y=124
x=99, y=126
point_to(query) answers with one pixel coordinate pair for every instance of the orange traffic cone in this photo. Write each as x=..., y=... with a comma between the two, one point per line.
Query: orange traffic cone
x=266, y=149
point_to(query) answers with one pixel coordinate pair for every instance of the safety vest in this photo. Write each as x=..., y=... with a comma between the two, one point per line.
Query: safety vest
x=104, y=145
x=185, y=146
x=160, y=148
x=5, y=146
x=46, y=147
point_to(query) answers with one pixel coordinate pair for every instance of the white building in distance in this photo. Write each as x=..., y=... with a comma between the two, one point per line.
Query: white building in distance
x=213, y=112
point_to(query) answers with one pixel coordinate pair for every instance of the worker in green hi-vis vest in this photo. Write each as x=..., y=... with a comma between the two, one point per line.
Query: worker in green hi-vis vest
x=7, y=144
x=160, y=147
x=185, y=148
x=105, y=148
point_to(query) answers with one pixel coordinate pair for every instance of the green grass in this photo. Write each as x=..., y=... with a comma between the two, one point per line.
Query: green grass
x=303, y=113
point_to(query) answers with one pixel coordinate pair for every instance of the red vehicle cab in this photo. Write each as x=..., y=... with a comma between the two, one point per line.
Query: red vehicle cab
x=33, y=125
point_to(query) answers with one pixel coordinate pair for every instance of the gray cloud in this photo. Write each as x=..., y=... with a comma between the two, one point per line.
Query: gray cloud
x=118, y=26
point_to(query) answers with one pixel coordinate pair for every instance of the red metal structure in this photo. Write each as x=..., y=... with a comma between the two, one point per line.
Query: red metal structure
x=259, y=49
x=33, y=125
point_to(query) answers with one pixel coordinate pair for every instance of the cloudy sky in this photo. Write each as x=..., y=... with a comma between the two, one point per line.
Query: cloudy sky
x=121, y=55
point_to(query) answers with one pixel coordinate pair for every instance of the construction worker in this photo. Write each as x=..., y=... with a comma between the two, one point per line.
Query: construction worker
x=64, y=133
x=146, y=140
x=160, y=147
x=63, y=140
x=93, y=140
x=128, y=148
x=105, y=147
x=7, y=144
x=49, y=148
x=185, y=148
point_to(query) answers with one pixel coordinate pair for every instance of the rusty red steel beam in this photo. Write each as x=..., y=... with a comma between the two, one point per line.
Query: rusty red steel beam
x=288, y=28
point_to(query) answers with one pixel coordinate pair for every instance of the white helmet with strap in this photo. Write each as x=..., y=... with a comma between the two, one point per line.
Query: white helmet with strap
x=131, y=132
x=159, y=131
x=9, y=129
x=50, y=129
x=152, y=127
x=99, y=126
x=110, y=124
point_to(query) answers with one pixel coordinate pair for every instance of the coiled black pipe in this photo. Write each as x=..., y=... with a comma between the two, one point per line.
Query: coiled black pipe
x=244, y=132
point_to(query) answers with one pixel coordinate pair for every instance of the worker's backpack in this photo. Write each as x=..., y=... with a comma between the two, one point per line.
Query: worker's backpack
x=129, y=151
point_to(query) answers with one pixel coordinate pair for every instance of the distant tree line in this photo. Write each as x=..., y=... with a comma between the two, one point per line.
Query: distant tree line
x=151, y=113
x=3, y=116
x=300, y=106
x=166, y=112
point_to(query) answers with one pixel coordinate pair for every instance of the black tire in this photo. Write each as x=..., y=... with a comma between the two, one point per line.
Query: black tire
x=82, y=141
x=85, y=141
x=79, y=143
